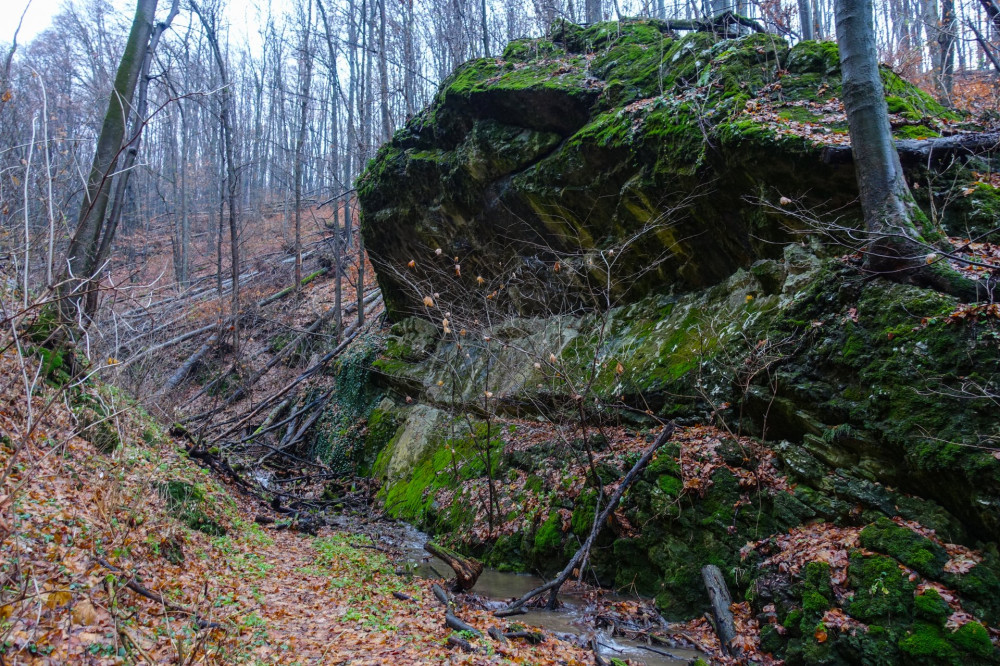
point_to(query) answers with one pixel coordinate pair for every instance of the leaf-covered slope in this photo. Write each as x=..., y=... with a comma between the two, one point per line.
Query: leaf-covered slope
x=122, y=550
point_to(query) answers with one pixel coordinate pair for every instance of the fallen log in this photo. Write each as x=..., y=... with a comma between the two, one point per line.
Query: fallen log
x=191, y=361
x=441, y=595
x=721, y=24
x=288, y=290
x=169, y=343
x=497, y=635
x=452, y=622
x=554, y=585
x=178, y=375
x=914, y=152
x=461, y=643
x=467, y=570
x=277, y=358
x=533, y=637
x=352, y=332
x=718, y=594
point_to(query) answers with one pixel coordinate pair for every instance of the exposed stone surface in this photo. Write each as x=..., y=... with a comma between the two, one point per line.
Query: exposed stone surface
x=618, y=151
x=594, y=226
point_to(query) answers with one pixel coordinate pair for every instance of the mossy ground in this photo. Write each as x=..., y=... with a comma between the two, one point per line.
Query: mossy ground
x=852, y=450
x=721, y=314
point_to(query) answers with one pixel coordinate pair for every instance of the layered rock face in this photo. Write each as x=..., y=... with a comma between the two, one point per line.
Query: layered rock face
x=620, y=225
x=621, y=155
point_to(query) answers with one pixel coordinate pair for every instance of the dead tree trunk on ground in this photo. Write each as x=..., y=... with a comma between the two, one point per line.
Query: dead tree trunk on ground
x=718, y=593
x=467, y=570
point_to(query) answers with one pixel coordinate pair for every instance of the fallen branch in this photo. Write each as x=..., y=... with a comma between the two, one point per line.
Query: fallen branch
x=441, y=595
x=352, y=332
x=153, y=596
x=124, y=632
x=557, y=582
x=460, y=642
x=293, y=437
x=142, y=591
x=220, y=325
x=919, y=151
x=288, y=290
x=717, y=24
x=662, y=653
x=467, y=570
x=718, y=593
x=453, y=622
x=169, y=343
x=595, y=648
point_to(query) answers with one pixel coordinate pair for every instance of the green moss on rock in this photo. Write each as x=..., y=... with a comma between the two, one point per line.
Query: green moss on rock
x=912, y=549
x=931, y=607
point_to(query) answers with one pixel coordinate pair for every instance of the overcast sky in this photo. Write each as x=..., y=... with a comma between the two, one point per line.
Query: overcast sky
x=40, y=13
x=38, y=18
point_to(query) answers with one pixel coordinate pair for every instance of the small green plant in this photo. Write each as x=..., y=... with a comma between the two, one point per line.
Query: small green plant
x=879, y=585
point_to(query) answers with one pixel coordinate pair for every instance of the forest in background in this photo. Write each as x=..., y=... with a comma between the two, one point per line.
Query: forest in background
x=231, y=189
x=313, y=94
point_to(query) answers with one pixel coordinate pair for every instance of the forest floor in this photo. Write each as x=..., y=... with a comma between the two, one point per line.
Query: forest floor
x=140, y=555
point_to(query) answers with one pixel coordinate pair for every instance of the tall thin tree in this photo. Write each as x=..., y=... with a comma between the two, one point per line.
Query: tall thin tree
x=82, y=266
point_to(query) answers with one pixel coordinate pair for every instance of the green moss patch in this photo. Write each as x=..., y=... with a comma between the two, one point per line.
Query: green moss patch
x=188, y=503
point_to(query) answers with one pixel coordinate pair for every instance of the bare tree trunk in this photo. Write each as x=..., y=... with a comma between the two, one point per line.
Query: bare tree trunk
x=593, y=10
x=222, y=217
x=485, y=28
x=383, y=74
x=305, y=78
x=930, y=20
x=409, y=82
x=82, y=255
x=338, y=249
x=805, y=18
x=353, y=148
x=946, y=41
x=361, y=280
x=138, y=121
x=185, y=240
x=993, y=12
x=895, y=247
x=885, y=198
x=232, y=186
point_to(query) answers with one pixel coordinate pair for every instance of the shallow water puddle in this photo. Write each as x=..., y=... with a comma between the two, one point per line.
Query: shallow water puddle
x=570, y=621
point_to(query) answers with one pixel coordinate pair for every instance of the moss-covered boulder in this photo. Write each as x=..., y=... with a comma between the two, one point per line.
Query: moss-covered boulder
x=618, y=150
x=601, y=230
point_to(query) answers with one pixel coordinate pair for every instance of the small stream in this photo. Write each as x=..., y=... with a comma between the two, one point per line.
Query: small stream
x=566, y=622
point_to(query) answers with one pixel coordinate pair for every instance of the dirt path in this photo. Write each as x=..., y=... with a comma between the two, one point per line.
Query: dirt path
x=86, y=538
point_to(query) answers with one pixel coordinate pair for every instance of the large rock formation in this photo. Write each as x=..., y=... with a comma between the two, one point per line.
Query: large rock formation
x=619, y=154
x=606, y=228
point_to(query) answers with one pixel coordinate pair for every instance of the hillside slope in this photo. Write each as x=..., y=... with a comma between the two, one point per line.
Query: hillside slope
x=125, y=550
